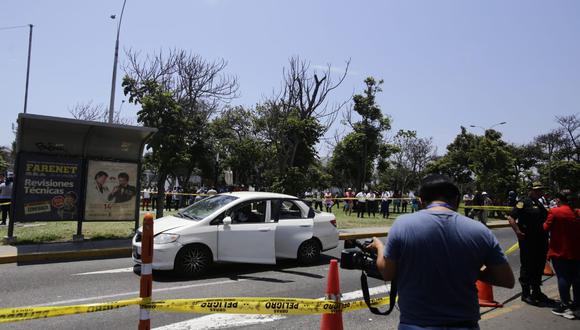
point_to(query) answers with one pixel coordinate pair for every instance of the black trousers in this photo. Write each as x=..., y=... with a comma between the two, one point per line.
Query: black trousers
x=533, y=253
x=5, y=209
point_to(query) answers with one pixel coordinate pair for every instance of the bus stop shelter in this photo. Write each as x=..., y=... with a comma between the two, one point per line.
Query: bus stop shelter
x=76, y=170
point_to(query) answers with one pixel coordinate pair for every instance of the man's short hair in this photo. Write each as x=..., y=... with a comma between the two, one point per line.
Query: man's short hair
x=438, y=187
x=101, y=173
x=123, y=175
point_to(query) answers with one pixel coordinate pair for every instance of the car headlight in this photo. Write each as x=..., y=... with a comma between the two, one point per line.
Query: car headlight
x=165, y=238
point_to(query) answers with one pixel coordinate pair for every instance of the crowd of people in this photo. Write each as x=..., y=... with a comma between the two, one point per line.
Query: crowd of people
x=178, y=197
x=438, y=252
x=366, y=201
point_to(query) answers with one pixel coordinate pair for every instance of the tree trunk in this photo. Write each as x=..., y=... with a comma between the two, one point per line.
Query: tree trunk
x=160, y=193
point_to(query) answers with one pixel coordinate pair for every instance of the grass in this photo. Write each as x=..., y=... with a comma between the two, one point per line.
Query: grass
x=45, y=232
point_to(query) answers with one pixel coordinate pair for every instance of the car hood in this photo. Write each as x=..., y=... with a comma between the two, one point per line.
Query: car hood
x=170, y=222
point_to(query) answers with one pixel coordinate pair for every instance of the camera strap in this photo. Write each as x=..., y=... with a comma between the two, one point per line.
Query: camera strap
x=366, y=295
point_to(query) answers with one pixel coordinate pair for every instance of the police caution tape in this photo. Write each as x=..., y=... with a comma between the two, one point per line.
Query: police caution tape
x=7, y=203
x=512, y=249
x=283, y=306
x=31, y=313
x=280, y=306
x=489, y=208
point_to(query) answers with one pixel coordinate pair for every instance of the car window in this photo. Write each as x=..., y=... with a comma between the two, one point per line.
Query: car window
x=249, y=212
x=201, y=209
x=286, y=209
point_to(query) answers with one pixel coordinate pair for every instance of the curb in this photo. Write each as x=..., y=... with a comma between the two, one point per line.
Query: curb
x=66, y=255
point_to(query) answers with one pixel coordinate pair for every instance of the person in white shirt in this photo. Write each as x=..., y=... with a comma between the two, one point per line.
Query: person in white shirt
x=385, y=201
x=361, y=204
x=371, y=203
x=5, y=198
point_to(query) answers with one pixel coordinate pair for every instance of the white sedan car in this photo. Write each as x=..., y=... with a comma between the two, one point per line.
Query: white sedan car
x=251, y=227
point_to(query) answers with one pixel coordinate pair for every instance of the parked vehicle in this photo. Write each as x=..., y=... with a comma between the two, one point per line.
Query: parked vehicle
x=249, y=227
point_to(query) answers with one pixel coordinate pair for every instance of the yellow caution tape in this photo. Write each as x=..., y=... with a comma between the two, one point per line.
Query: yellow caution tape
x=31, y=313
x=489, y=208
x=512, y=249
x=5, y=203
x=286, y=306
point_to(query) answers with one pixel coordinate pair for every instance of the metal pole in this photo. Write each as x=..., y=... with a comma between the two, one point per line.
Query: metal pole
x=28, y=67
x=112, y=103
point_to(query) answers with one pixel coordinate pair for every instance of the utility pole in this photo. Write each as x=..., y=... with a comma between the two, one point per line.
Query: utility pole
x=112, y=103
x=28, y=67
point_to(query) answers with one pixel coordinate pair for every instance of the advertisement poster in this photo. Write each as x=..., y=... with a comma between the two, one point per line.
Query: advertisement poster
x=49, y=188
x=111, y=191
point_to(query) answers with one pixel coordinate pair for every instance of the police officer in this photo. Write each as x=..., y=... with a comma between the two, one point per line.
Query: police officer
x=533, y=240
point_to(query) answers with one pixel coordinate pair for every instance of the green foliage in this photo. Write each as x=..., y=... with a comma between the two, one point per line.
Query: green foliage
x=565, y=174
x=480, y=162
x=354, y=157
x=233, y=135
x=160, y=110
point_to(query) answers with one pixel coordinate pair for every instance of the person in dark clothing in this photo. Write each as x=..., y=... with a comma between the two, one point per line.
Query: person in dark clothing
x=530, y=215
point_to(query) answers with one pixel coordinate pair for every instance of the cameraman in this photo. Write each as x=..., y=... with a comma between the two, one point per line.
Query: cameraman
x=437, y=255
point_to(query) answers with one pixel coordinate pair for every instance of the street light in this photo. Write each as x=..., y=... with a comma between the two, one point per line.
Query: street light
x=30, y=26
x=112, y=104
x=492, y=126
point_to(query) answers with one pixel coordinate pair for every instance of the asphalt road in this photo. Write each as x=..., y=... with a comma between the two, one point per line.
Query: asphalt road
x=95, y=281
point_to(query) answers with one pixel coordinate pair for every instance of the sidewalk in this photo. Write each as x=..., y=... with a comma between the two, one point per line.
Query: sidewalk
x=66, y=251
x=49, y=252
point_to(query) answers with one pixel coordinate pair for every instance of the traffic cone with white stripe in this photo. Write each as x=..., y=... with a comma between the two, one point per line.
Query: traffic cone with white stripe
x=332, y=321
x=146, y=272
x=485, y=295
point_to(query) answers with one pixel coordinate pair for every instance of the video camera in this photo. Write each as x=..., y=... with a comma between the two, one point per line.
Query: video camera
x=355, y=256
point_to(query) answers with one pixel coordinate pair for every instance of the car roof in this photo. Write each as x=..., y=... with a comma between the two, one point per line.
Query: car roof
x=257, y=194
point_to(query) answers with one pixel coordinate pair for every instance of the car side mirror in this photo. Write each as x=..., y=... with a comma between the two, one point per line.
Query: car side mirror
x=227, y=221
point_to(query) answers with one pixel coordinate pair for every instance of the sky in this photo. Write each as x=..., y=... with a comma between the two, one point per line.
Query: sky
x=444, y=63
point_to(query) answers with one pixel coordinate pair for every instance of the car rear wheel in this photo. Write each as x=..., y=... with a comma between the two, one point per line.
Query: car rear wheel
x=309, y=251
x=193, y=261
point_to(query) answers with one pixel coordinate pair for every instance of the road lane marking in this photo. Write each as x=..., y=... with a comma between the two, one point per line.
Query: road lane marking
x=135, y=293
x=222, y=321
x=109, y=271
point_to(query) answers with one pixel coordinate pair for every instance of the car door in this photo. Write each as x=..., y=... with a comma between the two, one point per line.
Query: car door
x=294, y=227
x=250, y=237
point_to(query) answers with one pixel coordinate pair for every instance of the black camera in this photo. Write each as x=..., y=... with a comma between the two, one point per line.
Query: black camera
x=355, y=256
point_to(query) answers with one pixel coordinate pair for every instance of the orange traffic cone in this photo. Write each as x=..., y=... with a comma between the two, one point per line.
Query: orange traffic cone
x=332, y=321
x=548, y=269
x=485, y=295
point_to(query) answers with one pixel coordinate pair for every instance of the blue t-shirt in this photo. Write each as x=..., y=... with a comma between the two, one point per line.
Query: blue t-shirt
x=439, y=255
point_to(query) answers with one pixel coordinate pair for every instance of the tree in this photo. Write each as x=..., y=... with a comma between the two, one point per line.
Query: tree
x=479, y=162
x=96, y=112
x=159, y=109
x=550, y=143
x=5, y=159
x=197, y=87
x=234, y=136
x=293, y=122
x=410, y=159
x=571, y=128
x=355, y=157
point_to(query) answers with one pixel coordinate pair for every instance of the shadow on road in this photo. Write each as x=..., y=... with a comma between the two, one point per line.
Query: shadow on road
x=239, y=271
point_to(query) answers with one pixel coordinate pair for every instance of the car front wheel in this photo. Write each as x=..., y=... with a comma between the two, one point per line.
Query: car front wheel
x=309, y=251
x=193, y=261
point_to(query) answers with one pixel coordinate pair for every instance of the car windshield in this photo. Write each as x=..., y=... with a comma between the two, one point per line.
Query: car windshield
x=205, y=207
